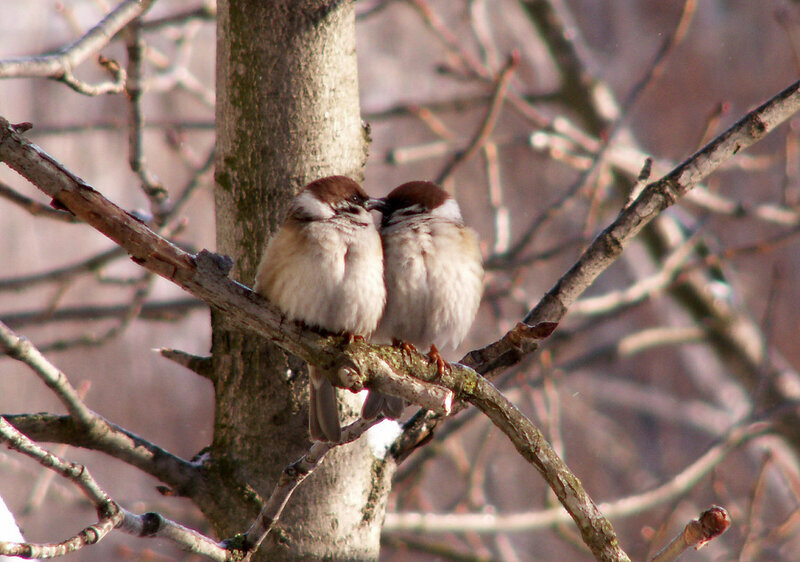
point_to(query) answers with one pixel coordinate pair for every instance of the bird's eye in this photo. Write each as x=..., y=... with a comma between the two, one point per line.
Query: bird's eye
x=355, y=198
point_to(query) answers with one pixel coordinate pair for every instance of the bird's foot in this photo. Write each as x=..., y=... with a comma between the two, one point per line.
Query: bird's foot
x=441, y=365
x=406, y=348
x=354, y=338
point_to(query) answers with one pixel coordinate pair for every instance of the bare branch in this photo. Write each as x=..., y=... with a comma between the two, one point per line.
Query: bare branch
x=62, y=274
x=471, y=64
x=86, y=428
x=67, y=58
x=206, y=11
x=532, y=445
x=114, y=441
x=109, y=512
x=669, y=491
x=165, y=311
x=639, y=291
x=698, y=532
x=22, y=350
x=115, y=86
x=200, y=365
x=659, y=195
x=489, y=121
x=34, y=207
x=290, y=478
x=151, y=185
x=45, y=479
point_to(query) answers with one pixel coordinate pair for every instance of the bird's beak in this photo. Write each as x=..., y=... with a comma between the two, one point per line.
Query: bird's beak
x=376, y=204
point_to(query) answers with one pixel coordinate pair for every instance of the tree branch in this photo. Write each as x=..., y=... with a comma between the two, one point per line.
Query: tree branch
x=34, y=207
x=698, y=532
x=62, y=62
x=86, y=428
x=659, y=195
x=165, y=311
x=608, y=246
x=110, y=514
x=205, y=276
x=290, y=478
x=669, y=491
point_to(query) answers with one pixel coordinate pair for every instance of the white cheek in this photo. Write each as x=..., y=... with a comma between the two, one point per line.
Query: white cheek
x=448, y=210
x=312, y=207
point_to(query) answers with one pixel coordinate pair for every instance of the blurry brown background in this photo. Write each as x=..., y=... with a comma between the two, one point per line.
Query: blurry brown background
x=624, y=424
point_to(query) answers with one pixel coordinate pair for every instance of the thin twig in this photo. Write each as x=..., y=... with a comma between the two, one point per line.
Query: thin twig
x=34, y=207
x=677, y=486
x=70, y=56
x=290, y=478
x=151, y=185
x=697, y=533
x=110, y=514
x=206, y=11
x=115, y=86
x=61, y=274
x=470, y=63
x=490, y=120
x=164, y=311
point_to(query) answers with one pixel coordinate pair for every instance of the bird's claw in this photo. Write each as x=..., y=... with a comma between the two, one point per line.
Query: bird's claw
x=354, y=338
x=441, y=365
x=405, y=348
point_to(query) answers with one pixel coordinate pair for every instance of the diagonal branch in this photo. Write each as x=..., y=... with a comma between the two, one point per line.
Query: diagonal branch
x=22, y=350
x=34, y=207
x=86, y=428
x=64, y=60
x=669, y=491
x=205, y=276
x=481, y=136
x=116, y=442
x=658, y=196
x=110, y=514
x=608, y=246
x=290, y=478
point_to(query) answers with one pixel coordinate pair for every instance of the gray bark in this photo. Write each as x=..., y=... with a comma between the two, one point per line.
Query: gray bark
x=287, y=113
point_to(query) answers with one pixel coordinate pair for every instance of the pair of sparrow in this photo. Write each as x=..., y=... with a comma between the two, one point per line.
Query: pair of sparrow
x=417, y=279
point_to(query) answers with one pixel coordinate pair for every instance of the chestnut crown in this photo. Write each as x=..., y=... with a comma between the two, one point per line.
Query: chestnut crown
x=334, y=189
x=418, y=198
x=333, y=195
x=426, y=194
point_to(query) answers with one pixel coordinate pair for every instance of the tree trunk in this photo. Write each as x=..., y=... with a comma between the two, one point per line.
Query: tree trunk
x=287, y=113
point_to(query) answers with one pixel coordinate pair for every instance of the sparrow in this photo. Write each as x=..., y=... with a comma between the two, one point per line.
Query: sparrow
x=434, y=277
x=324, y=267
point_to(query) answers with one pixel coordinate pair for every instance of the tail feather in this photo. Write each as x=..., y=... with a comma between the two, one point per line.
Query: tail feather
x=323, y=409
x=376, y=403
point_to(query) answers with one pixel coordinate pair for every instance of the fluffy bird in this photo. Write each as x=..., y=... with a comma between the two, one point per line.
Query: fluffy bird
x=434, y=276
x=324, y=267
